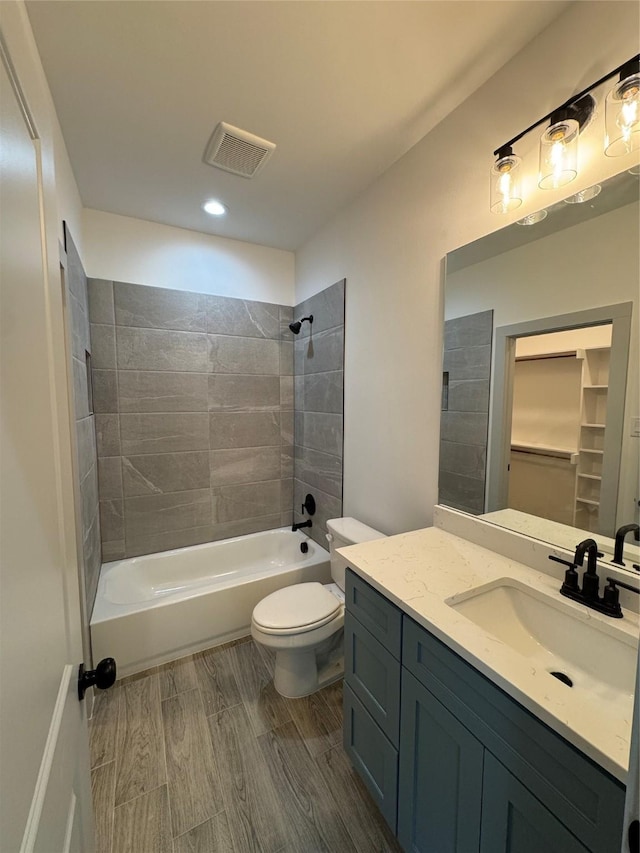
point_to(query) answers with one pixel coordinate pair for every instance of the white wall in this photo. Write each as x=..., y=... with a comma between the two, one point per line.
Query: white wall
x=389, y=244
x=120, y=248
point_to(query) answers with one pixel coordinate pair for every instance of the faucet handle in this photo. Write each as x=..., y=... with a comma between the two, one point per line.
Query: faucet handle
x=570, y=583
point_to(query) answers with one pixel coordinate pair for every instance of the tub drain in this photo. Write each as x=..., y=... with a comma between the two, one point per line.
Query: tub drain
x=563, y=677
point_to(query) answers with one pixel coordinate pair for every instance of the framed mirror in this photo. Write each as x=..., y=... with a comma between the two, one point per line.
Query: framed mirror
x=540, y=426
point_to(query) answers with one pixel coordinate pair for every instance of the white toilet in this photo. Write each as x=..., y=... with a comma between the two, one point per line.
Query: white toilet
x=303, y=623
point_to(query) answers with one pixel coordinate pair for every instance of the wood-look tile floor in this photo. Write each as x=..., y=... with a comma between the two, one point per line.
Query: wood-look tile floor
x=204, y=756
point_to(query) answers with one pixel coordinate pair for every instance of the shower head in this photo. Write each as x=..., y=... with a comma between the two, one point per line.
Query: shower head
x=295, y=327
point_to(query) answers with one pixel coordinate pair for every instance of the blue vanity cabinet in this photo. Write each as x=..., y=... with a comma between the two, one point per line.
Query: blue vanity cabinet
x=452, y=760
x=440, y=777
x=372, y=644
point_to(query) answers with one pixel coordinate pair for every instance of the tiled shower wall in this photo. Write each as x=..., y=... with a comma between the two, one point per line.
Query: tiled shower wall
x=87, y=470
x=319, y=381
x=465, y=416
x=193, y=397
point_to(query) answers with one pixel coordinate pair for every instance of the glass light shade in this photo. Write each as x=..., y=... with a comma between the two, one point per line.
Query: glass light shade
x=559, y=154
x=584, y=195
x=506, y=192
x=533, y=218
x=622, y=117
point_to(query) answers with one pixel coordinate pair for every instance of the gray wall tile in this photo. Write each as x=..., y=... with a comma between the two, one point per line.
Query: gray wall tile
x=154, y=514
x=468, y=362
x=108, y=435
x=92, y=559
x=321, y=352
x=286, y=427
x=286, y=358
x=164, y=433
x=286, y=461
x=327, y=308
x=79, y=328
x=322, y=392
x=112, y=520
x=470, y=331
x=286, y=317
x=242, y=317
x=461, y=492
x=158, y=391
x=110, y=477
x=286, y=495
x=320, y=470
x=105, y=391
x=167, y=540
x=469, y=395
x=229, y=529
x=159, y=308
x=89, y=497
x=286, y=392
x=467, y=459
x=154, y=349
x=235, y=503
x=155, y=474
x=321, y=431
x=86, y=444
x=114, y=551
x=465, y=427
x=245, y=465
x=239, y=393
x=103, y=346
x=243, y=429
x=100, y=301
x=80, y=389
x=228, y=354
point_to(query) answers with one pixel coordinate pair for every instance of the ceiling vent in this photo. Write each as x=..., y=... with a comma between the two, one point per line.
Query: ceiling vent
x=237, y=151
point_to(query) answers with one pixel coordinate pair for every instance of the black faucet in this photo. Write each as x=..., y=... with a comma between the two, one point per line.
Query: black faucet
x=300, y=524
x=620, y=537
x=588, y=595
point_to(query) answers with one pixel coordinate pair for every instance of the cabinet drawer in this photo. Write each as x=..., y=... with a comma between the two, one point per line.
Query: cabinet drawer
x=372, y=755
x=584, y=797
x=373, y=675
x=375, y=612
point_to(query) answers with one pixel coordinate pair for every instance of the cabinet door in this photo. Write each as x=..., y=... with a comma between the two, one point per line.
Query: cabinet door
x=374, y=676
x=514, y=821
x=372, y=755
x=440, y=777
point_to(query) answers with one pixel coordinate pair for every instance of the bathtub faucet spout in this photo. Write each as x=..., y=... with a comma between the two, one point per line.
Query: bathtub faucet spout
x=306, y=523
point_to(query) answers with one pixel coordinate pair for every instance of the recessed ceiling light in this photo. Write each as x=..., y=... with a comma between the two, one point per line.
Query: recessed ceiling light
x=214, y=207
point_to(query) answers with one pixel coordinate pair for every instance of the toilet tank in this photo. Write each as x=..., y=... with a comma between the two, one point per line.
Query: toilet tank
x=342, y=532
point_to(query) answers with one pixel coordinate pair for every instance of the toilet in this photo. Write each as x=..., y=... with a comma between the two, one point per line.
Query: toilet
x=303, y=623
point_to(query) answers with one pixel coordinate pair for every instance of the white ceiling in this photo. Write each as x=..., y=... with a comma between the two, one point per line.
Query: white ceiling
x=343, y=88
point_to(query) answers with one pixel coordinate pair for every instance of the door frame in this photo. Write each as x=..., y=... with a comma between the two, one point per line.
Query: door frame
x=501, y=405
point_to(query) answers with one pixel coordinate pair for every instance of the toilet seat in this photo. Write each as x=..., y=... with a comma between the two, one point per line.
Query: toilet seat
x=296, y=609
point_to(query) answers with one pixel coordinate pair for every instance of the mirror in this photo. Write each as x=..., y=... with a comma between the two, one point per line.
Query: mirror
x=540, y=424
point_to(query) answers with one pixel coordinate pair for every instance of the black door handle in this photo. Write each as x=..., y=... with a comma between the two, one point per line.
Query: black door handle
x=634, y=836
x=102, y=677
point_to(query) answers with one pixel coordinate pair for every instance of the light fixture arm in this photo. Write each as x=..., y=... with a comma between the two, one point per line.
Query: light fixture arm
x=629, y=67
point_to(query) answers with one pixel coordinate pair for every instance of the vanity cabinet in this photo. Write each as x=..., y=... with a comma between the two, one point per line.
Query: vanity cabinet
x=475, y=771
x=372, y=646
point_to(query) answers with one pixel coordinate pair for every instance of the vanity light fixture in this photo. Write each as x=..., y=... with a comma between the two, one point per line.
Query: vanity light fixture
x=584, y=195
x=533, y=218
x=214, y=207
x=506, y=191
x=622, y=112
x=558, y=157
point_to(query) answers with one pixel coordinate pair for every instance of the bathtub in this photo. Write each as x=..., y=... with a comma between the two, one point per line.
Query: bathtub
x=159, y=607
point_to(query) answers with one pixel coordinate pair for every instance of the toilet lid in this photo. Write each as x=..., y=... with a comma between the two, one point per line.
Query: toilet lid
x=304, y=605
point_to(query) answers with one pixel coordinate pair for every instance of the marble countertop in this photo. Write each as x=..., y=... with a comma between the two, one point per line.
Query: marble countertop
x=419, y=571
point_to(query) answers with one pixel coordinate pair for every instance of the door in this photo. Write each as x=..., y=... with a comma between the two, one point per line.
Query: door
x=440, y=777
x=44, y=772
x=514, y=821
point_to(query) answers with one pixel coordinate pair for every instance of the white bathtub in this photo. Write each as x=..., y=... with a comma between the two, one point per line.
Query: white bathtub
x=160, y=607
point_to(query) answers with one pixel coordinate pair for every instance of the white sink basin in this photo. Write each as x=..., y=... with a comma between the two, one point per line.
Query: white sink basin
x=554, y=637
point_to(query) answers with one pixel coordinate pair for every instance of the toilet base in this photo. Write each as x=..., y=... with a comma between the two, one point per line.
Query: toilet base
x=299, y=674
